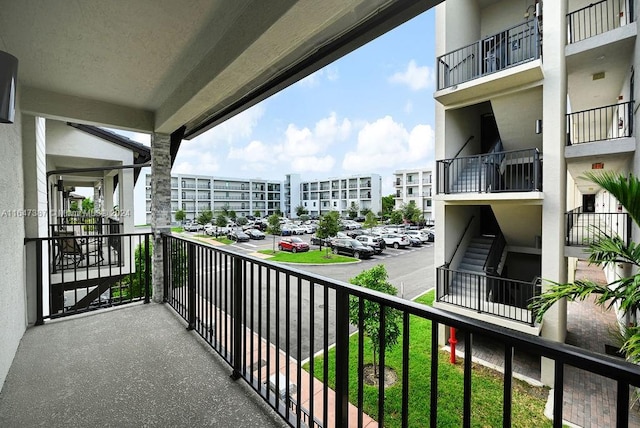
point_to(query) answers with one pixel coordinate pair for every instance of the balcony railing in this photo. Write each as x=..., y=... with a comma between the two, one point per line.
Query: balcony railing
x=585, y=228
x=264, y=319
x=598, y=18
x=601, y=123
x=494, y=295
x=511, y=171
x=510, y=47
x=79, y=273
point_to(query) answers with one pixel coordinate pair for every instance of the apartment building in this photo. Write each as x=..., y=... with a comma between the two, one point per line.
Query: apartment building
x=530, y=95
x=415, y=185
x=197, y=193
x=319, y=197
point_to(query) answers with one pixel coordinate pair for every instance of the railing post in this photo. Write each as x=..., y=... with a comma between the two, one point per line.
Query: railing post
x=166, y=258
x=536, y=170
x=39, y=291
x=191, y=284
x=480, y=170
x=236, y=326
x=479, y=281
x=147, y=268
x=342, y=358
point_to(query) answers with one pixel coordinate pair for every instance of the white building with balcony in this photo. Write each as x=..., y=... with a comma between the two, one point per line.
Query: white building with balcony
x=415, y=185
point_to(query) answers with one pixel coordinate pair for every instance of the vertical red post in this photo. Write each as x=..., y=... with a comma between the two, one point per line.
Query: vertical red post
x=452, y=344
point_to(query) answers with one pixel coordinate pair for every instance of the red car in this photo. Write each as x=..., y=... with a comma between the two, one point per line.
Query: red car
x=293, y=244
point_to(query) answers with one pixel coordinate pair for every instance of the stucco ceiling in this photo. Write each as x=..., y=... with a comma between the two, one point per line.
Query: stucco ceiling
x=156, y=65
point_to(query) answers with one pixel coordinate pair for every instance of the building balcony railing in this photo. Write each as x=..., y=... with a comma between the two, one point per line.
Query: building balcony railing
x=510, y=47
x=510, y=171
x=598, y=18
x=88, y=272
x=493, y=295
x=221, y=187
x=600, y=123
x=585, y=228
x=188, y=186
x=264, y=319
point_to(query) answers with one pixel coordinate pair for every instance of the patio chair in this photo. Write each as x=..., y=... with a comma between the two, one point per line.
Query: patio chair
x=67, y=250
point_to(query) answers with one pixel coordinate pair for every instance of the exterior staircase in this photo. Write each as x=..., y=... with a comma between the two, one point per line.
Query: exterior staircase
x=471, y=178
x=470, y=275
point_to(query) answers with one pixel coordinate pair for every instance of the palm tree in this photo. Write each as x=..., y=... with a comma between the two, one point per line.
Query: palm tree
x=623, y=292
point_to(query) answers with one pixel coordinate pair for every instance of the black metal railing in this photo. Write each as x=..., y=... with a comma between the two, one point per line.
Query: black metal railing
x=600, y=123
x=585, y=228
x=496, y=250
x=598, y=18
x=508, y=48
x=265, y=319
x=510, y=171
x=464, y=233
x=490, y=294
x=78, y=274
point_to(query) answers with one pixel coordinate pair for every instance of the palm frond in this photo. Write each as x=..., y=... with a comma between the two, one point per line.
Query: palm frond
x=624, y=189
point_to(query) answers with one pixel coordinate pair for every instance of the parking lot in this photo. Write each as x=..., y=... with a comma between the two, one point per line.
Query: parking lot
x=410, y=269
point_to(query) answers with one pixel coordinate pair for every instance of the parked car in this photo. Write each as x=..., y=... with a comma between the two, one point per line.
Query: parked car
x=351, y=247
x=293, y=244
x=255, y=234
x=238, y=236
x=324, y=242
x=396, y=241
x=414, y=241
x=354, y=233
x=374, y=242
x=192, y=226
x=423, y=237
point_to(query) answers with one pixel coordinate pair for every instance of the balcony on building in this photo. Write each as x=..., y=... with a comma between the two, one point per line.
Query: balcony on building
x=508, y=59
x=497, y=174
x=251, y=324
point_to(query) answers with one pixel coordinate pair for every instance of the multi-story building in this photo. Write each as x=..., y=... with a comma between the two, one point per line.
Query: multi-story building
x=415, y=185
x=521, y=115
x=319, y=197
x=197, y=193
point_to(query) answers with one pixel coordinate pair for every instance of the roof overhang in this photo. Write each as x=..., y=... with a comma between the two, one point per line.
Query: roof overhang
x=161, y=65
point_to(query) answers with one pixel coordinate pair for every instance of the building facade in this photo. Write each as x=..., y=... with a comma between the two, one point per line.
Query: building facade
x=339, y=194
x=194, y=194
x=516, y=130
x=415, y=185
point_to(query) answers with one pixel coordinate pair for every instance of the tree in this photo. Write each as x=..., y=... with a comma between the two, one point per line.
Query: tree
x=241, y=221
x=301, y=210
x=353, y=210
x=370, y=220
x=365, y=211
x=388, y=204
x=221, y=221
x=411, y=212
x=396, y=217
x=180, y=215
x=205, y=217
x=87, y=205
x=304, y=217
x=74, y=206
x=608, y=250
x=375, y=279
x=274, y=228
x=232, y=215
x=328, y=226
x=257, y=213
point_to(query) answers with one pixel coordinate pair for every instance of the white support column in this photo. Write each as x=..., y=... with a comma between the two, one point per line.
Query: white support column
x=160, y=206
x=554, y=109
x=126, y=199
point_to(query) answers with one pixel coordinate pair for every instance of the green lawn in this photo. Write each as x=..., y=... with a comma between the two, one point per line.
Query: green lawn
x=528, y=402
x=178, y=229
x=311, y=257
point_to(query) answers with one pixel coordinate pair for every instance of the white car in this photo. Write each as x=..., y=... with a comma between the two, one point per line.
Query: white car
x=423, y=237
x=192, y=226
x=396, y=241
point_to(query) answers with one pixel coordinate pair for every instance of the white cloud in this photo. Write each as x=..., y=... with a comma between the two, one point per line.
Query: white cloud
x=313, y=164
x=205, y=164
x=386, y=144
x=254, y=152
x=408, y=107
x=302, y=142
x=238, y=128
x=416, y=78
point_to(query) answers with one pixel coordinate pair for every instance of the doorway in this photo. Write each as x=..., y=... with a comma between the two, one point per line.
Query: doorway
x=589, y=203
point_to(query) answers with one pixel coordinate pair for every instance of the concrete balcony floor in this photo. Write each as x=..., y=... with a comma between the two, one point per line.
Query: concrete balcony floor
x=132, y=366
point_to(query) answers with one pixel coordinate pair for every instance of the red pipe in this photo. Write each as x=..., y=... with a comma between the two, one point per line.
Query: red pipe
x=452, y=344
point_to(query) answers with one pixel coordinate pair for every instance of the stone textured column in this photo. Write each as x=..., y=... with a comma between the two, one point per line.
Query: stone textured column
x=160, y=206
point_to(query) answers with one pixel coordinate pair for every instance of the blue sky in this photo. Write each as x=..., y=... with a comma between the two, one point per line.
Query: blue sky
x=371, y=111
